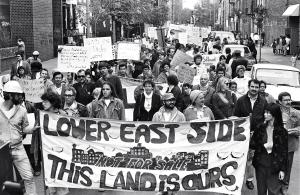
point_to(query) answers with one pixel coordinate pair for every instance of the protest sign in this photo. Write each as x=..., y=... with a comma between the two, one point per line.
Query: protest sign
x=99, y=48
x=117, y=155
x=129, y=50
x=183, y=38
x=193, y=35
x=185, y=74
x=211, y=59
x=72, y=59
x=33, y=89
x=205, y=32
x=180, y=58
x=152, y=33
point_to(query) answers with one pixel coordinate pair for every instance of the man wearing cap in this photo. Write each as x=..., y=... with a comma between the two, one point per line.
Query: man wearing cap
x=35, y=63
x=113, y=79
x=13, y=125
x=168, y=112
x=238, y=61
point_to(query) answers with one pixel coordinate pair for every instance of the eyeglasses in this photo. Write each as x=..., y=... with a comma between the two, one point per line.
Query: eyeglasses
x=81, y=76
x=68, y=95
x=288, y=100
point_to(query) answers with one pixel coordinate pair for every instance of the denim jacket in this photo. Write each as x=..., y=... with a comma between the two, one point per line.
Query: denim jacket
x=115, y=109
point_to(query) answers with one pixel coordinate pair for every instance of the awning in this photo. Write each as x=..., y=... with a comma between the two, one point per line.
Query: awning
x=292, y=10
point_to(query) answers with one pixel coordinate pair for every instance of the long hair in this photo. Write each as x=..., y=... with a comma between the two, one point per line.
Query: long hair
x=113, y=91
x=219, y=83
x=275, y=111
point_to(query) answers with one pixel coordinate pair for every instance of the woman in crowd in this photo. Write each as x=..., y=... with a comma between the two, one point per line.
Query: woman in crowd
x=21, y=74
x=166, y=71
x=223, y=101
x=205, y=88
x=271, y=152
x=108, y=106
x=147, y=103
x=197, y=111
x=262, y=92
x=51, y=102
x=241, y=81
x=70, y=79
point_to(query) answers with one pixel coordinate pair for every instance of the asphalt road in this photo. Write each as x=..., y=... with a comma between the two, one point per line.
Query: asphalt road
x=267, y=56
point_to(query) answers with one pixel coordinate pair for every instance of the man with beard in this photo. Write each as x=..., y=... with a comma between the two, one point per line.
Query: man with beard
x=13, y=125
x=291, y=120
x=253, y=105
x=168, y=112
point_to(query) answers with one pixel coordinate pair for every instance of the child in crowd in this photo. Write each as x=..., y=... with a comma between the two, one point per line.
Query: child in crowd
x=294, y=60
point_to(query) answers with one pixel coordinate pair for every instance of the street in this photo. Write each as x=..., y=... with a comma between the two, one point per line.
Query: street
x=267, y=56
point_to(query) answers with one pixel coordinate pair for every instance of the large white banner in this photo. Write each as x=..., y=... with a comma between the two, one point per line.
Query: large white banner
x=117, y=155
x=72, y=58
x=99, y=48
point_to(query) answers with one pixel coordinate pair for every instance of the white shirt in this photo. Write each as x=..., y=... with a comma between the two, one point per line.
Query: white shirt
x=148, y=101
x=242, y=85
x=58, y=89
x=269, y=144
x=8, y=113
x=167, y=116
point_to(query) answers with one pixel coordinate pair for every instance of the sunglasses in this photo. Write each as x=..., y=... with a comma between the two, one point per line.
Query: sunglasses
x=81, y=76
x=68, y=95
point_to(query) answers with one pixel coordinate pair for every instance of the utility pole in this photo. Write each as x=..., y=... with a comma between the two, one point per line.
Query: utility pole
x=87, y=18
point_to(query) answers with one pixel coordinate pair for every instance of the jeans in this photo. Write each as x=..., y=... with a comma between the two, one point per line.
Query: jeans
x=22, y=164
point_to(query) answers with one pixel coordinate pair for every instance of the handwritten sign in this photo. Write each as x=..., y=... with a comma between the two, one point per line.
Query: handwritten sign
x=193, y=35
x=180, y=58
x=33, y=89
x=211, y=59
x=208, y=156
x=72, y=59
x=128, y=50
x=185, y=73
x=152, y=33
x=99, y=48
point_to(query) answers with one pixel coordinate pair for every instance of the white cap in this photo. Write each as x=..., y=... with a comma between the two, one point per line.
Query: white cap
x=35, y=53
x=13, y=87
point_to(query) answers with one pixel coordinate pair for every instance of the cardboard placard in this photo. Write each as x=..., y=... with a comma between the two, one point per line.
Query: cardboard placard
x=33, y=89
x=180, y=58
x=129, y=50
x=185, y=73
x=99, y=48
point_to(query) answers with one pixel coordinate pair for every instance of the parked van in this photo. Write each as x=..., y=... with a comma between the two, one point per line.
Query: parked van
x=222, y=35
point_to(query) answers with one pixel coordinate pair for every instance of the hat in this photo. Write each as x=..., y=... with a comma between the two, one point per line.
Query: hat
x=35, y=53
x=240, y=67
x=13, y=87
x=194, y=95
x=168, y=96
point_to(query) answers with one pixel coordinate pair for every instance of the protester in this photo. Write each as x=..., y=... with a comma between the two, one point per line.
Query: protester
x=107, y=77
x=96, y=94
x=197, y=111
x=44, y=75
x=168, y=112
x=71, y=107
x=147, y=103
x=52, y=103
x=166, y=71
x=228, y=55
x=267, y=96
x=238, y=61
x=146, y=74
x=109, y=106
x=241, y=81
x=206, y=89
x=57, y=87
x=21, y=74
x=200, y=68
x=186, y=91
x=35, y=64
x=14, y=117
x=223, y=101
x=233, y=87
x=70, y=80
x=252, y=48
x=271, y=152
x=157, y=65
x=84, y=89
x=21, y=48
x=175, y=90
x=20, y=62
x=251, y=103
x=123, y=71
x=212, y=73
x=220, y=72
x=291, y=120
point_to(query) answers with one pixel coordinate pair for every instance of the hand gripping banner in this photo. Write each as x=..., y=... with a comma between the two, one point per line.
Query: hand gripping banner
x=144, y=156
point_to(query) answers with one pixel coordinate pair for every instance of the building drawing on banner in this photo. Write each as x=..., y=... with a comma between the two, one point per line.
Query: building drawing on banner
x=193, y=161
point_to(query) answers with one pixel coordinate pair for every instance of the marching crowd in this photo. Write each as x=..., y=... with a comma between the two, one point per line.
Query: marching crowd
x=220, y=92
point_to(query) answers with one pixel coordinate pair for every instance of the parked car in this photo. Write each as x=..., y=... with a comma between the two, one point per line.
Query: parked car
x=245, y=52
x=279, y=78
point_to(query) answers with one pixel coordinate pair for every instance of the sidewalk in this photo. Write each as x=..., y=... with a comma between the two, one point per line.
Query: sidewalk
x=267, y=56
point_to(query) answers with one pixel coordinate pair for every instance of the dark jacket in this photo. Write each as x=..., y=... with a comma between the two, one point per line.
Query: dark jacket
x=239, y=61
x=243, y=109
x=84, y=92
x=222, y=110
x=278, y=158
x=139, y=112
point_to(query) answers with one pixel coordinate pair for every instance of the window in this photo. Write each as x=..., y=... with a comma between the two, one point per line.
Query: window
x=279, y=77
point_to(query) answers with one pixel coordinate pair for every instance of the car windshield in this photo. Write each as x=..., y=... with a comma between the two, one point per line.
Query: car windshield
x=244, y=50
x=279, y=77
